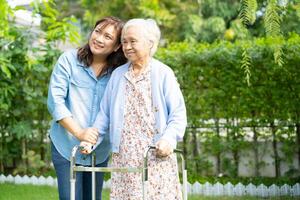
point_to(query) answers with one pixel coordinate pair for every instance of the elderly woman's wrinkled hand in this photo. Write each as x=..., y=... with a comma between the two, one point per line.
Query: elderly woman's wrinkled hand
x=86, y=147
x=163, y=148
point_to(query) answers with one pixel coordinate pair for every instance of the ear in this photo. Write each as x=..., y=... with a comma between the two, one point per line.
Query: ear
x=117, y=47
x=151, y=44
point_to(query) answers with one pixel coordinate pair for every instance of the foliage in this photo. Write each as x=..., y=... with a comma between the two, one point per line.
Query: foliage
x=27, y=57
x=248, y=11
x=211, y=79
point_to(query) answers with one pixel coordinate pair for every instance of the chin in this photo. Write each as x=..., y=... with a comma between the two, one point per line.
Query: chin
x=130, y=58
x=93, y=50
x=97, y=51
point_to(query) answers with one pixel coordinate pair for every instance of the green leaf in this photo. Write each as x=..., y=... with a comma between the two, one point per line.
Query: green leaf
x=248, y=11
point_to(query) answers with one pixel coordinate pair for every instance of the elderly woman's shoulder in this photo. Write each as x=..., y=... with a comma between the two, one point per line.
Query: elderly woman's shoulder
x=162, y=67
x=120, y=70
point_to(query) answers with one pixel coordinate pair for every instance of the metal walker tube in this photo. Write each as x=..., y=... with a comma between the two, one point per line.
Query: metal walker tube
x=73, y=173
x=143, y=170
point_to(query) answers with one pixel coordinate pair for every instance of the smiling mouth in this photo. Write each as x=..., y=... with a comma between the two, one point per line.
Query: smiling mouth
x=97, y=46
x=128, y=53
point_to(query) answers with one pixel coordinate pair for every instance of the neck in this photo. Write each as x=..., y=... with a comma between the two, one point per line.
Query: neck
x=99, y=60
x=98, y=65
x=140, y=65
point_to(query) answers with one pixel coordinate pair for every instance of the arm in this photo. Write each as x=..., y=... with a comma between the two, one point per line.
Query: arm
x=88, y=134
x=57, y=94
x=177, y=119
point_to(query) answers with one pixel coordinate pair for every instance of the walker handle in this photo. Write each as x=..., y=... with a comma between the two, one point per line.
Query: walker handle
x=174, y=150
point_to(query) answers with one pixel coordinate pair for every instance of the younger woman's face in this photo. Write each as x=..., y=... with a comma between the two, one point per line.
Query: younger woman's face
x=103, y=40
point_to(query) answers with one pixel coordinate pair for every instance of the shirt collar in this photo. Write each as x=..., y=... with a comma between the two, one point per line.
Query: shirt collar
x=129, y=75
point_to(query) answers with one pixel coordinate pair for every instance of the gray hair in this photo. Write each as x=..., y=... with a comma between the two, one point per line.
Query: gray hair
x=150, y=29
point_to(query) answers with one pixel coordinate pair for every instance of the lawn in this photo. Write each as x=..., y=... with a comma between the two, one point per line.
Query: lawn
x=30, y=192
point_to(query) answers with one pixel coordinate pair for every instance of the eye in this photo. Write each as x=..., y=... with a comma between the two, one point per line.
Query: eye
x=109, y=37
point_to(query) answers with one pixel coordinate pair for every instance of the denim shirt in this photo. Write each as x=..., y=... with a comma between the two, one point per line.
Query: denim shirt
x=76, y=92
x=167, y=100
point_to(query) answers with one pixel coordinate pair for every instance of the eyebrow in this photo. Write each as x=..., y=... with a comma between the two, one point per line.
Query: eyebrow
x=108, y=34
x=101, y=29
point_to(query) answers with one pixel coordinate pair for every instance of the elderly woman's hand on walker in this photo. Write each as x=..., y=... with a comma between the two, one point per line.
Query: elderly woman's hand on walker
x=85, y=147
x=163, y=148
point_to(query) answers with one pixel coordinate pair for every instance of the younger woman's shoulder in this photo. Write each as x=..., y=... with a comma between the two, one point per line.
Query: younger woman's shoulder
x=69, y=54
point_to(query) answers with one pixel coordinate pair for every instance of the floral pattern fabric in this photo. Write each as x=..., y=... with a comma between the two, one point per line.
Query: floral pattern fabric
x=137, y=134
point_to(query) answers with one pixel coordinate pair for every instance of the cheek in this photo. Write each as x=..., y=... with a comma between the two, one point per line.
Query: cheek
x=111, y=43
x=90, y=41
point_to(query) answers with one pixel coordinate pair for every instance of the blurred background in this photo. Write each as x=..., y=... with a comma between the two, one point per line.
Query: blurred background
x=237, y=62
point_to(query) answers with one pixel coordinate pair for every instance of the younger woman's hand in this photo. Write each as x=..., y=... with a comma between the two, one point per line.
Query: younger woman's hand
x=163, y=148
x=89, y=135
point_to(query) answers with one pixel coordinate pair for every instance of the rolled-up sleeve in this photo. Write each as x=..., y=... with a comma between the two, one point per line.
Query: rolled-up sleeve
x=177, y=120
x=58, y=89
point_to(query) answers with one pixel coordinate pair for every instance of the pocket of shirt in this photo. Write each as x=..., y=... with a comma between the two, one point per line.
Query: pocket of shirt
x=80, y=83
x=81, y=90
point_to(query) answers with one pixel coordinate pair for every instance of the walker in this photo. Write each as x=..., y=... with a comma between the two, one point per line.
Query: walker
x=143, y=170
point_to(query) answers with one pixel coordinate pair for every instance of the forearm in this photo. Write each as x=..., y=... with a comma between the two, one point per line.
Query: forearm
x=72, y=127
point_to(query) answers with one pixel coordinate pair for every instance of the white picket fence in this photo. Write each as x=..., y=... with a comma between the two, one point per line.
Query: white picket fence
x=206, y=189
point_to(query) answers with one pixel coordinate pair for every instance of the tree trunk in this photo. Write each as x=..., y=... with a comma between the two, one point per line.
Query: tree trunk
x=195, y=148
x=184, y=144
x=218, y=156
x=236, y=156
x=1, y=150
x=43, y=132
x=298, y=141
x=41, y=145
x=275, y=150
x=255, y=149
x=236, y=162
x=24, y=154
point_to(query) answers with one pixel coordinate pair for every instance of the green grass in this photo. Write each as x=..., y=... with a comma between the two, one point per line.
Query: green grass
x=31, y=192
x=240, y=198
x=27, y=192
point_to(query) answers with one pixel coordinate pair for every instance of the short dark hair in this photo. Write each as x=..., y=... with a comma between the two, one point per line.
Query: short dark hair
x=115, y=59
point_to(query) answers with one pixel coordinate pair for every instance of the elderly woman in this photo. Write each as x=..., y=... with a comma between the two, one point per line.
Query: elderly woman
x=142, y=106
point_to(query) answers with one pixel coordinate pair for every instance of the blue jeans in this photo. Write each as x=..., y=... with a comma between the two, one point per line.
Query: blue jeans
x=83, y=179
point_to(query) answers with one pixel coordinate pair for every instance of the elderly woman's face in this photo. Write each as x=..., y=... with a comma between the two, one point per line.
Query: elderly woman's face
x=134, y=44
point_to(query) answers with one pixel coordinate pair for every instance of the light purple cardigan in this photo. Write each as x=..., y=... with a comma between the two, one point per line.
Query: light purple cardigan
x=168, y=103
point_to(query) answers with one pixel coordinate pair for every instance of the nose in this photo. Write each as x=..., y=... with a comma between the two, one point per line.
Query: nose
x=127, y=46
x=99, y=38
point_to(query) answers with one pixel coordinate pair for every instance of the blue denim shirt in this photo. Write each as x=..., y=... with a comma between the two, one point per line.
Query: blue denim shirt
x=167, y=100
x=76, y=92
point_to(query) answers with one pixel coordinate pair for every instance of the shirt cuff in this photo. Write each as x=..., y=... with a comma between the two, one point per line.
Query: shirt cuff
x=60, y=112
x=171, y=138
x=100, y=139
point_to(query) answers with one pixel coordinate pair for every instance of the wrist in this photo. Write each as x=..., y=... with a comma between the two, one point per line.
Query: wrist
x=78, y=133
